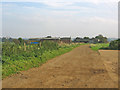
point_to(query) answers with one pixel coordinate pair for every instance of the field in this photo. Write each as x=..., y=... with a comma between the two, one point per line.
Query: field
x=110, y=59
x=99, y=46
x=17, y=58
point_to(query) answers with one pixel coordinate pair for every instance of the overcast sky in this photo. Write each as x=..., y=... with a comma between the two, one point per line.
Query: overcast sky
x=60, y=18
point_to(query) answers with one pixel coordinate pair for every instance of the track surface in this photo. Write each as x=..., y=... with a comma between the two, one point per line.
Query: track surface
x=80, y=68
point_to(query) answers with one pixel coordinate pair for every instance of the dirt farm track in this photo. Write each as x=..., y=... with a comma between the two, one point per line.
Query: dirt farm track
x=80, y=68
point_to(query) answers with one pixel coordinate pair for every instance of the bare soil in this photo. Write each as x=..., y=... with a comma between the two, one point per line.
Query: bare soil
x=80, y=68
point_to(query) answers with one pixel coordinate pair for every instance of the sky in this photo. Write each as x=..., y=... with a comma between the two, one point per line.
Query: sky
x=59, y=18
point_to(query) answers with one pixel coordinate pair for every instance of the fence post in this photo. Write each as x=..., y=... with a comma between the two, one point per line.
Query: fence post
x=24, y=47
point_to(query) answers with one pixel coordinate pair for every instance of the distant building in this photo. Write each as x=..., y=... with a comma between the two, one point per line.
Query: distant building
x=81, y=40
x=33, y=41
x=66, y=40
x=95, y=40
x=5, y=39
x=50, y=39
x=91, y=41
x=78, y=39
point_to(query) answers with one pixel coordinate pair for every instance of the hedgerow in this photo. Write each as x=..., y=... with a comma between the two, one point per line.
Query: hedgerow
x=19, y=57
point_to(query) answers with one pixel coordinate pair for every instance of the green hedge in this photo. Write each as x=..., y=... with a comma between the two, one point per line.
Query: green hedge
x=115, y=45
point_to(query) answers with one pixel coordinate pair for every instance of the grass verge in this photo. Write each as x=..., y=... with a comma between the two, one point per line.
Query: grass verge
x=96, y=47
x=21, y=65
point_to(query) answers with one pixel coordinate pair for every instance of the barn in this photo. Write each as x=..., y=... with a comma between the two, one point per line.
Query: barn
x=50, y=39
x=66, y=40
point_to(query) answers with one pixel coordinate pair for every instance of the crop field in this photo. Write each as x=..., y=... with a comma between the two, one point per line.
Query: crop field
x=17, y=58
x=99, y=46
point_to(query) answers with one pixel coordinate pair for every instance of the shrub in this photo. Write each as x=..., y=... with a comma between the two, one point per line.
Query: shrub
x=115, y=45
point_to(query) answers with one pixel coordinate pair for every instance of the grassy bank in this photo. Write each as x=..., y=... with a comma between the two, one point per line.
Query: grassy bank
x=99, y=46
x=29, y=59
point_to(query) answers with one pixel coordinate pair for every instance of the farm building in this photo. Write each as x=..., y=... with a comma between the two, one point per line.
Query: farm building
x=34, y=40
x=48, y=38
x=66, y=40
x=81, y=40
x=95, y=40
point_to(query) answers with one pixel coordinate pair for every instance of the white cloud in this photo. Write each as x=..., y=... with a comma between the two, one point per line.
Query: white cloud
x=50, y=21
x=56, y=4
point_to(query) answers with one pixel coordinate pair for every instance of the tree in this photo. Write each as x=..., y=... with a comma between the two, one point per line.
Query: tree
x=21, y=40
x=101, y=39
x=99, y=36
x=4, y=39
x=48, y=37
x=86, y=37
x=115, y=45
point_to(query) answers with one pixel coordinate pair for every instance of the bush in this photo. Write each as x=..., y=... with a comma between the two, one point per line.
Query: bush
x=115, y=45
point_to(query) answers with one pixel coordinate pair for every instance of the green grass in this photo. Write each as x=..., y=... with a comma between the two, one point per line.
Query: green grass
x=99, y=46
x=14, y=66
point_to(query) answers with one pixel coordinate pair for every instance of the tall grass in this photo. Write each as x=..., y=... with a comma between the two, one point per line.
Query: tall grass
x=16, y=58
